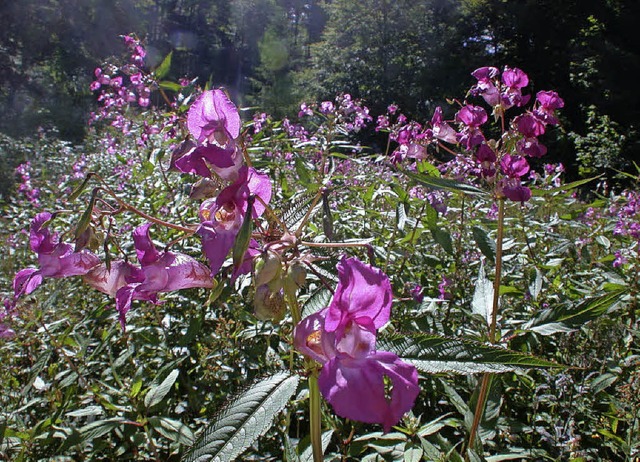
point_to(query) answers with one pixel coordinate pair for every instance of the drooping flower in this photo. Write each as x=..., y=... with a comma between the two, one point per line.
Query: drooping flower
x=222, y=217
x=56, y=259
x=159, y=272
x=214, y=118
x=342, y=337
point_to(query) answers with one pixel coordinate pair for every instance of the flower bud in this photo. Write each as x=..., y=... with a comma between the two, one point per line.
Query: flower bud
x=268, y=305
x=267, y=268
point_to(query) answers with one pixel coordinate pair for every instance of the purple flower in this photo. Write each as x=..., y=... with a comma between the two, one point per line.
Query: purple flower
x=343, y=338
x=201, y=160
x=471, y=116
x=56, y=259
x=548, y=102
x=213, y=118
x=159, y=272
x=529, y=125
x=485, y=86
x=223, y=216
x=514, y=78
x=442, y=130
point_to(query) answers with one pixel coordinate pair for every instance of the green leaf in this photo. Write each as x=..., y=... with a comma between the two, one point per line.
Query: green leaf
x=85, y=219
x=172, y=430
x=563, y=188
x=443, y=238
x=75, y=194
x=306, y=450
x=482, y=303
x=100, y=427
x=156, y=394
x=243, y=239
x=244, y=419
x=486, y=245
x=563, y=318
x=401, y=215
x=171, y=86
x=434, y=354
x=443, y=183
x=303, y=172
x=163, y=69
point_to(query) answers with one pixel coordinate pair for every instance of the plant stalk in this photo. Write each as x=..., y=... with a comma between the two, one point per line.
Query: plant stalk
x=486, y=379
x=315, y=417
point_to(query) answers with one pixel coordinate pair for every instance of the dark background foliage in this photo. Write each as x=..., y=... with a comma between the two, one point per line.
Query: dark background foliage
x=273, y=54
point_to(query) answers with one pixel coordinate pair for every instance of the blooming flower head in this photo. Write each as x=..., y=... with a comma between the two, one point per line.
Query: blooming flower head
x=158, y=272
x=342, y=337
x=214, y=118
x=222, y=217
x=56, y=259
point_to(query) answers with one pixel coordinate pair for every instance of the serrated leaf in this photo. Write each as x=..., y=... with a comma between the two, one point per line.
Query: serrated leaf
x=163, y=69
x=486, y=245
x=156, y=394
x=87, y=411
x=443, y=183
x=317, y=301
x=443, y=238
x=99, y=428
x=434, y=354
x=401, y=216
x=563, y=318
x=482, y=302
x=244, y=419
x=173, y=430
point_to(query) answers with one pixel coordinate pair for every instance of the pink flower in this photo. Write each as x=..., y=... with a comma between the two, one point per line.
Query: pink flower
x=342, y=337
x=159, y=272
x=471, y=116
x=222, y=217
x=442, y=130
x=56, y=259
x=214, y=118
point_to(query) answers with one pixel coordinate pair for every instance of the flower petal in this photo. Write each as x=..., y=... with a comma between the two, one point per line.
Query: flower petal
x=356, y=388
x=363, y=294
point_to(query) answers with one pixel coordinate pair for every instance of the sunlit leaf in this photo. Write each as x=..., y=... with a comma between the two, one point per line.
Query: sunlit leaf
x=243, y=419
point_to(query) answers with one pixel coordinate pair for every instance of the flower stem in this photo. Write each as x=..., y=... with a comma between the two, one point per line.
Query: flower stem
x=487, y=378
x=315, y=417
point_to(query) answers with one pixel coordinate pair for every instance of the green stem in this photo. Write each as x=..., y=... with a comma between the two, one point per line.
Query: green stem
x=315, y=417
x=487, y=378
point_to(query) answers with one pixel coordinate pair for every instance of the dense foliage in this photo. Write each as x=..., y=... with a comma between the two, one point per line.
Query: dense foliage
x=513, y=299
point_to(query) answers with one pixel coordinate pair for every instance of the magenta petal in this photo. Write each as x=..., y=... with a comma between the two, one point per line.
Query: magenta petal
x=355, y=388
x=109, y=282
x=211, y=114
x=26, y=281
x=40, y=238
x=217, y=241
x=184, y=272
x=70, y=264
x=309, y=337
x=145, y=249
x=363, y=294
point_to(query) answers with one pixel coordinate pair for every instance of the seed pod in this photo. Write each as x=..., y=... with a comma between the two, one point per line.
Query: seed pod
x=267, y=268
x=268, y=305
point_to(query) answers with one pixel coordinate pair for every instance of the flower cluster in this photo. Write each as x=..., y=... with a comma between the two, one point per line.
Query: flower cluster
x=360, y=382
x=502, y=162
